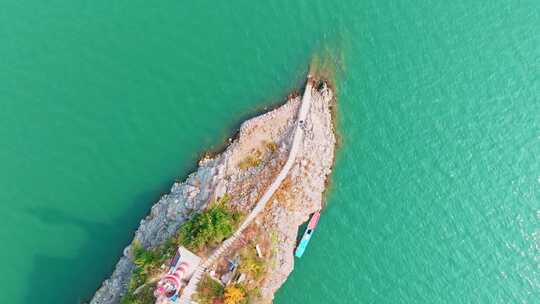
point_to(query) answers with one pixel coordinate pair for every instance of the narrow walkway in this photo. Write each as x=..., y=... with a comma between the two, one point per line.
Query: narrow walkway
x=190, y=289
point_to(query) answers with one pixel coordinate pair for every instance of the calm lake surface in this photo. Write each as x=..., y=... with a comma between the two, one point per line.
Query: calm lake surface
x=436, y=192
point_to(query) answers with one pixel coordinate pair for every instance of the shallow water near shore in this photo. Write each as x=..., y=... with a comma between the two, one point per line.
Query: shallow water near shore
x=435, y=195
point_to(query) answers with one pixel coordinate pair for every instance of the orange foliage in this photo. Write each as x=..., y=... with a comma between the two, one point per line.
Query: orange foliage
x=234, y=295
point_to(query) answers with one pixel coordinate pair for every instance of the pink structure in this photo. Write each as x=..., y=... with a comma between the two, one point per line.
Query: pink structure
x=182, y=267
x=170, y=284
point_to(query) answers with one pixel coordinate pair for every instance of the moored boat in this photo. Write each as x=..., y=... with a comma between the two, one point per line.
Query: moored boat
x=307, y=234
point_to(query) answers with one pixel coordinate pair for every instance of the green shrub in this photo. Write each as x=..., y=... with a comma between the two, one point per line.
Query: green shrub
x=209, y=227
x=144, y=296
x=251, y=264
x=147, y=264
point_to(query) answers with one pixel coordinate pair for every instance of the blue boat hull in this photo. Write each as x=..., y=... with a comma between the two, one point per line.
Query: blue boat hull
x=303, y=245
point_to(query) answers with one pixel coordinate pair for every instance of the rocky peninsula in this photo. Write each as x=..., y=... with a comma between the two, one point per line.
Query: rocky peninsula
x=253, y=196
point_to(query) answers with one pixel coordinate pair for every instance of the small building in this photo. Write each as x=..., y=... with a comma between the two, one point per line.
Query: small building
x=182, y=267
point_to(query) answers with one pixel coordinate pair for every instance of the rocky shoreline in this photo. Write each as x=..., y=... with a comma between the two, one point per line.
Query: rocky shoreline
x=243, y=171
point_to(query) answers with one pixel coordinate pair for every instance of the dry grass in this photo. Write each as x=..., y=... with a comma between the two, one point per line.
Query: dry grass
x=284, y=195
x=251, y=161
x=271, y=146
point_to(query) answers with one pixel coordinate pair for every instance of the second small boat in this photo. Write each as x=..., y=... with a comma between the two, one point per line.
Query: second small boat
x=307, y=234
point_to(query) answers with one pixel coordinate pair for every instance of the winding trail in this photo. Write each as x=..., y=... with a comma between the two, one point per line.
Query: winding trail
x=298, y=137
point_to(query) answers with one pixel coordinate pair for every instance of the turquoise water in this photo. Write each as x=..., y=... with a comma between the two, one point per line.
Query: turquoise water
x=435, y=195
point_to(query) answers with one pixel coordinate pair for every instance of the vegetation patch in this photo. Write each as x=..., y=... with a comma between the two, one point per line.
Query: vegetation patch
x=251, y=161
x=209, y=227
x=208, y=291
x=204, y=229
x=147, y=270
x=274, y=247
x=283, y=194
x=235, y=294
x=251, y=264
x=271, y=146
